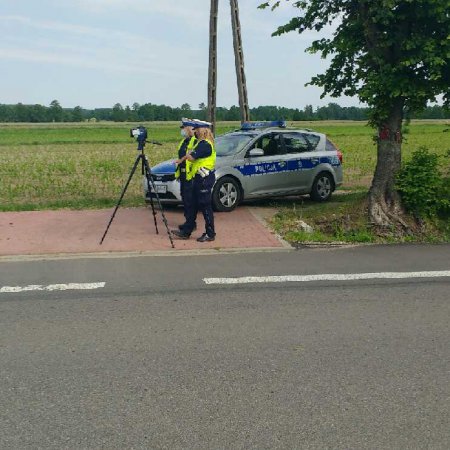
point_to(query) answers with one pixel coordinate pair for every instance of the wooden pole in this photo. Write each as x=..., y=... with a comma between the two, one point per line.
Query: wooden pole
x=239, y=60
x=212, y=73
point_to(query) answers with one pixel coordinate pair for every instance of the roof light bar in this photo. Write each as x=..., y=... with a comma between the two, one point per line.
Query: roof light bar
x=256, y=125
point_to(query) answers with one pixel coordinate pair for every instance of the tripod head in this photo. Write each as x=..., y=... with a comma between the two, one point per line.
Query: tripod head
x=140, y=134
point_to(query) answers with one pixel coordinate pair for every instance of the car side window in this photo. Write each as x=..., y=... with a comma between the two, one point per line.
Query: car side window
x=299, y=142
x=270, y=144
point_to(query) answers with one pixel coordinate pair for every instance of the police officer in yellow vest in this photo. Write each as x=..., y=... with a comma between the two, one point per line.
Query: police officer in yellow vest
x=186, y=186
x=200, y=165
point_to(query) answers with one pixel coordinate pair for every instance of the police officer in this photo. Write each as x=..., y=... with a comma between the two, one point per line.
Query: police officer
x=200, y=168
x=186, y=186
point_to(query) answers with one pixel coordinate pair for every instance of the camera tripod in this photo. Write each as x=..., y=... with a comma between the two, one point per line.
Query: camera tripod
x=151, y=189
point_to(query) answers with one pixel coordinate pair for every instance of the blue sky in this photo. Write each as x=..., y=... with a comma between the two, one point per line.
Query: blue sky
x=95, y=53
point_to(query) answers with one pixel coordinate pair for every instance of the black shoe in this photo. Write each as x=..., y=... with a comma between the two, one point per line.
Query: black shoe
x=183, y=226
x=181, y=234
x=205, y=238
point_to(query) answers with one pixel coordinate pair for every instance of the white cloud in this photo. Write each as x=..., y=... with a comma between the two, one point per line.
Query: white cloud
x=51, y=25
x=192, y=11
x=126, y=39
x=69, y=44
x=80, y=61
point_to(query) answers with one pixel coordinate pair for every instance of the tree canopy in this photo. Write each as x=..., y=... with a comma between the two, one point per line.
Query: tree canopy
x=151, y=112
x=383, y=51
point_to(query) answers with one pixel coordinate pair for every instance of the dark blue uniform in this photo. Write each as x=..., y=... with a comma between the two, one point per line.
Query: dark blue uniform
x=186, y=187
x=202, y=191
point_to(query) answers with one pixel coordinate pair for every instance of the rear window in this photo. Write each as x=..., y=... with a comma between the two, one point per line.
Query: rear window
x=330, y=147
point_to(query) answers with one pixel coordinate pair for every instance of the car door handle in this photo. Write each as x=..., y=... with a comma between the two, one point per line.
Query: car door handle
x=315, y=160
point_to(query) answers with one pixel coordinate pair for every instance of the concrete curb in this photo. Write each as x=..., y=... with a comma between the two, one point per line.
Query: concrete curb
x=176, y=253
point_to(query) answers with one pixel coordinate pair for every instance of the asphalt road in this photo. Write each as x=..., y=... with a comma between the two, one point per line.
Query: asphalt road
x=158, y=359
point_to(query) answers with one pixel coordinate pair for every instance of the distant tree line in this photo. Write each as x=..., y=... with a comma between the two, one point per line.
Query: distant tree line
x=149, y=112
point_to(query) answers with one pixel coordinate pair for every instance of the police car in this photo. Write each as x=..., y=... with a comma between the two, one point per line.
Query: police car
x=262, y=160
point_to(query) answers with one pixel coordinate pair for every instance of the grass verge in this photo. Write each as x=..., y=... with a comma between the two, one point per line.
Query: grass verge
x=343, y=219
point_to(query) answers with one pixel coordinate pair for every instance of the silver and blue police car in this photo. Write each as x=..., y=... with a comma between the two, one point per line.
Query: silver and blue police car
x=261, y=160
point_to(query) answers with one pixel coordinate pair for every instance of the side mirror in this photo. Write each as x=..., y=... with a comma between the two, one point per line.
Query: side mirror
x=256, y=152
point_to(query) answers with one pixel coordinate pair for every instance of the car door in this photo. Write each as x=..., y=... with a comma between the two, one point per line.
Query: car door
x=263, y=174
x=300, y=158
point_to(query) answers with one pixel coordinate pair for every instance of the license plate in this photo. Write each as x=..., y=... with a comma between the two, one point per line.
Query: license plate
x=160, y=188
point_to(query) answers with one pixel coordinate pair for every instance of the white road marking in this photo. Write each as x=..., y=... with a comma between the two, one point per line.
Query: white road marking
x=328, y=277
x=53, y=287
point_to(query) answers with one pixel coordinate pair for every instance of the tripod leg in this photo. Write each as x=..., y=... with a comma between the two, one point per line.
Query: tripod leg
x=150, y=181
x=121, y=196
x=150, y=185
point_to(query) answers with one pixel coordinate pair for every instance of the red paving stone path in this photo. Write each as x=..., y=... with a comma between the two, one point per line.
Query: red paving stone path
x=133, y=230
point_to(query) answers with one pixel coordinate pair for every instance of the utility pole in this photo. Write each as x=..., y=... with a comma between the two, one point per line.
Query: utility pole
x=212, y=73
x=239, y=59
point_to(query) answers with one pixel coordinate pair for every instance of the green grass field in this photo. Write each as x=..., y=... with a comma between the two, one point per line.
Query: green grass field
x=46, y=166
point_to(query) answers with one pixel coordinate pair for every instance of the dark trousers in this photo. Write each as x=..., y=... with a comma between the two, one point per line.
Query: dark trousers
x=187, y=193
x=202, y=201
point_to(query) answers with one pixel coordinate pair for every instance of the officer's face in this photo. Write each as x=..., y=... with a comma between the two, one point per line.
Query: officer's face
x=189, y=131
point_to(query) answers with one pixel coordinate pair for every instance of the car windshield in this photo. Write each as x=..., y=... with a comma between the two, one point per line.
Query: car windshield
x=229, y=144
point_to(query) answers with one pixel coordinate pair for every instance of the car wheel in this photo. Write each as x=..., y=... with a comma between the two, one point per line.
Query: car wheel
x=322, y=187
x=226, y=194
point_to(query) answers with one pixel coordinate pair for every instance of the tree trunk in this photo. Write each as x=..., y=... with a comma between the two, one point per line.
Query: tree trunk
x=385, y=208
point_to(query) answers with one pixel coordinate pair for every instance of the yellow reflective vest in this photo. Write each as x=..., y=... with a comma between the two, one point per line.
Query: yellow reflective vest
x=191, y=144
x=208, y=163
